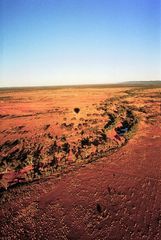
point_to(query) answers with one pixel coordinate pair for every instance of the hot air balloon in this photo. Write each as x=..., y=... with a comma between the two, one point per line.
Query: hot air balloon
x=76, y=110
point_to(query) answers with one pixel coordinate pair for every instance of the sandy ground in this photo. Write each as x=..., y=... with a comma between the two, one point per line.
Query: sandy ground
x=116, y=197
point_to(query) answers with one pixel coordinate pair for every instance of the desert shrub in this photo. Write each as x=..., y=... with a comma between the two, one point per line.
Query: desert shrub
x=63, y=125
x=46, y=126
x=54, y=162
x=50, y=136
x=13, y=155
x=36, y=160
x=63, y=138
x=74, y=149
x=85, y=142
x=37, y=152
x=124, y=102
x=142, y=109
x=82, y=132
x=66, y=147
x=9, y=144
x=53, y=148
x=95, y=142
x=103, y=136
x=68, y=126
x=74, y=118
x=23, y=159
x=132, y=128
x=22, y=156
x=79, y=126
x=129, y=113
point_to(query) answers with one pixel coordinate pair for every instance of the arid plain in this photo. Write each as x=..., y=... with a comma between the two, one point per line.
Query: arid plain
x=80, y=163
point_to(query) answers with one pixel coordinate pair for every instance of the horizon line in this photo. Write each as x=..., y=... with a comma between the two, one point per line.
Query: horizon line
x=140, y=82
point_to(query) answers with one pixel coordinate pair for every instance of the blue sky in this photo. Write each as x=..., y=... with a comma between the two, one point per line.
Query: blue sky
x=60, y=42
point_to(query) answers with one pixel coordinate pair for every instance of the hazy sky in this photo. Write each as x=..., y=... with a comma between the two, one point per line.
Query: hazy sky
x=55, y=42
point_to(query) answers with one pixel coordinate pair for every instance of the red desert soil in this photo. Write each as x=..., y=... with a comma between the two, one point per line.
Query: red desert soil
x=117, y=195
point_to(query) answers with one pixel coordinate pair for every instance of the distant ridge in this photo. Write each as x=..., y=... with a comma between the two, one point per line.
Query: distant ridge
x=153, y=82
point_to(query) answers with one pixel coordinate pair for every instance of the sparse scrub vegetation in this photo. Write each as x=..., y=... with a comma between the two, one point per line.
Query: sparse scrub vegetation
x=92, y=134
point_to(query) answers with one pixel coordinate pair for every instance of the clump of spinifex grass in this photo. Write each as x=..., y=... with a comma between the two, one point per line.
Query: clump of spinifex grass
x=133, y=127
